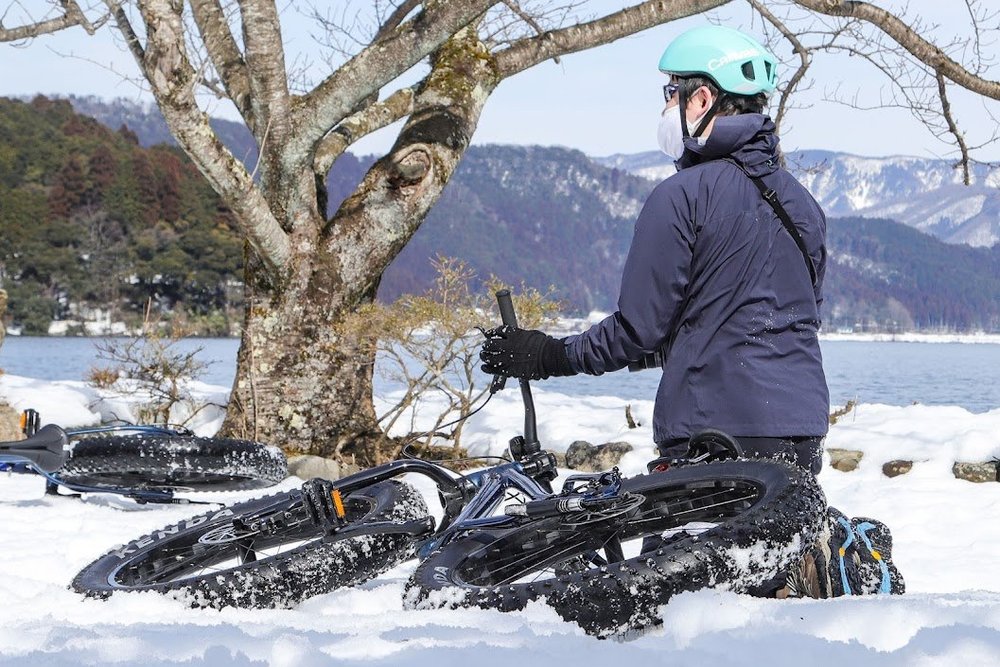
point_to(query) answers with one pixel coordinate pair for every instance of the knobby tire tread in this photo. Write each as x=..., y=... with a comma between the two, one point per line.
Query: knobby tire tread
x=283, y=580
x=172, y=461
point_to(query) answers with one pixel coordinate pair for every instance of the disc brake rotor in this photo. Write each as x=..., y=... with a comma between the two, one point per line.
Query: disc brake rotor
x=226, y=534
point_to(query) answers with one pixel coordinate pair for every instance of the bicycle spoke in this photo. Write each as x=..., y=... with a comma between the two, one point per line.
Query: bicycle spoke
x=596, y=559
x=657, y=513
x=721, y=504
x=512, y=570
x=191, y=559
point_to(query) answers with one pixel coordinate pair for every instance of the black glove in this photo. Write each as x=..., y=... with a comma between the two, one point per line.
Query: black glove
x=524, y=353
x=318, y=500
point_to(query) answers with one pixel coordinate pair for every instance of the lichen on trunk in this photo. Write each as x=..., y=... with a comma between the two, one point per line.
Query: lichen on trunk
x=300, y=383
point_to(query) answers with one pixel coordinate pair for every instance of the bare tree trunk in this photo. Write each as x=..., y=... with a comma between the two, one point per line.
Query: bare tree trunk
x=299, y=382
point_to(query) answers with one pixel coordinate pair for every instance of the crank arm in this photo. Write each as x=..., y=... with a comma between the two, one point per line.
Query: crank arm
x=415, y=528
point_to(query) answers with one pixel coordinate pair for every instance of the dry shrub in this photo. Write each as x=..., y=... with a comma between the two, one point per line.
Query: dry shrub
x=837, y=414
x=152, y=367
x=102, y=377
x=428, y=344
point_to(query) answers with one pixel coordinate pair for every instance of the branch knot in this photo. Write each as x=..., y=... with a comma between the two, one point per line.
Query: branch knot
x=411, y=167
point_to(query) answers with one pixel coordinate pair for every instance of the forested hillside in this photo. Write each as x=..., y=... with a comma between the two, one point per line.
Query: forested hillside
x=91, y=220
x=96, y=217
x=546, y=216
x=887, y=275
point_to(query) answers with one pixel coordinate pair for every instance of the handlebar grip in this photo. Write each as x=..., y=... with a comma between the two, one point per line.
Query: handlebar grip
x=507, y=315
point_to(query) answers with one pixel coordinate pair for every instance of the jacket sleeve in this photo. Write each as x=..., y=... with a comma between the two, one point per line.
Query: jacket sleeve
x=654, y=284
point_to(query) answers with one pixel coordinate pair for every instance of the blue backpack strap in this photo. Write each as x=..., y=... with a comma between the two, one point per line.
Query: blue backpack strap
x=862, y=530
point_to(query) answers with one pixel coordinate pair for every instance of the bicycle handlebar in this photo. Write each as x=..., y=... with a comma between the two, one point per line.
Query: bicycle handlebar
x=509, y=318
x=506, y=303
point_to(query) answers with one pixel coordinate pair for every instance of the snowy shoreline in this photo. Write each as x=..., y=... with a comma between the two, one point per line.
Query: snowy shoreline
x=570, y=325
x=971, y=338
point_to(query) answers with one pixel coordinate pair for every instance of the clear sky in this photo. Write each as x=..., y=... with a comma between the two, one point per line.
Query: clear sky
x=603, y=101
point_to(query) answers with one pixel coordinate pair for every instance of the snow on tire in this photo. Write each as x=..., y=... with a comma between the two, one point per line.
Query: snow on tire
x=173, y=461
x=189, y=560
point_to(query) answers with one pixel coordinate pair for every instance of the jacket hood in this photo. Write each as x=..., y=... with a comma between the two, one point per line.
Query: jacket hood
x=749, y=138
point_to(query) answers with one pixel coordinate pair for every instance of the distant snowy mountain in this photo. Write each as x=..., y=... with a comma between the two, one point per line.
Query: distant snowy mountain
x=549, y=216
x=923, y=193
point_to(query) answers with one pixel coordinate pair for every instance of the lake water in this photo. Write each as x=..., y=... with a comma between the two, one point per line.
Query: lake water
x=896, y=373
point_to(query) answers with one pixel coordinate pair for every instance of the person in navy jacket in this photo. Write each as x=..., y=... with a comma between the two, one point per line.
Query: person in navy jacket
x=714, y=282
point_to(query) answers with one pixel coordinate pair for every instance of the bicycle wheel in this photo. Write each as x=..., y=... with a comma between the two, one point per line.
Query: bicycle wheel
x=218, y=560
x=176, y=462
x=732, y=524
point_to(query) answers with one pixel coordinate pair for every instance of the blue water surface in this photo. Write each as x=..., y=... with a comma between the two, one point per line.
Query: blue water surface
x=895, y=373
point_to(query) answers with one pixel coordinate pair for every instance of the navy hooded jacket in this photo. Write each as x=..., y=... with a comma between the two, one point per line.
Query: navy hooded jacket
x=715, y=280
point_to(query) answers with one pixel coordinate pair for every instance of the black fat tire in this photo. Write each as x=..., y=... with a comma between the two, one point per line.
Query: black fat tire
x=312, y=567
x=173, y=462
x=780, y=524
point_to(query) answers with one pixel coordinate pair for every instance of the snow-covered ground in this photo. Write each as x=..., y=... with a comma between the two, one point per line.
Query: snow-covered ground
x=947, y=542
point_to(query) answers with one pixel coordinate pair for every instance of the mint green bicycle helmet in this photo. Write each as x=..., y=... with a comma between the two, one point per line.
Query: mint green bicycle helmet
x=737, y=63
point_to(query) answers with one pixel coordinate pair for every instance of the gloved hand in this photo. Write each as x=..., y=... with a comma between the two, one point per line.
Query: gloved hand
x=524, y=353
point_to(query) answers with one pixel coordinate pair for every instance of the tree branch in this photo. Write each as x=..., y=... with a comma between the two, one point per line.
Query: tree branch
x=224, y=54
x=364, y=74
x=528, y=52
x=127, y=31
x=375, y=117
x=527, y=18
x=72, y=15
x=398, y=191
x=909, y=39
x=269, y=101
x=805, y=59
x=172, y=78
x=397, y=16
x=953, y=128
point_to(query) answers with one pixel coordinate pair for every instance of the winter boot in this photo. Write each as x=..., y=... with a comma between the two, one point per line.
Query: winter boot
x=813, y=577
x=863, y=557
x=873, y=546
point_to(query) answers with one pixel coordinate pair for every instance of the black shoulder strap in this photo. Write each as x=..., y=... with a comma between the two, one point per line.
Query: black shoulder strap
x=771, y=197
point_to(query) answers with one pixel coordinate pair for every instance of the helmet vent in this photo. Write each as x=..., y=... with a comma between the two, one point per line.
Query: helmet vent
x=767, y=70
x=748, y=71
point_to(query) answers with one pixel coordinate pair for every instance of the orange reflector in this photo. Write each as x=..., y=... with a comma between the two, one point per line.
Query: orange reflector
x=338, y=503
x=24, y=420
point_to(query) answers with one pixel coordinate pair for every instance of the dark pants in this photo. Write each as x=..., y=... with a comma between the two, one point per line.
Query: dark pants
x=804, y=451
